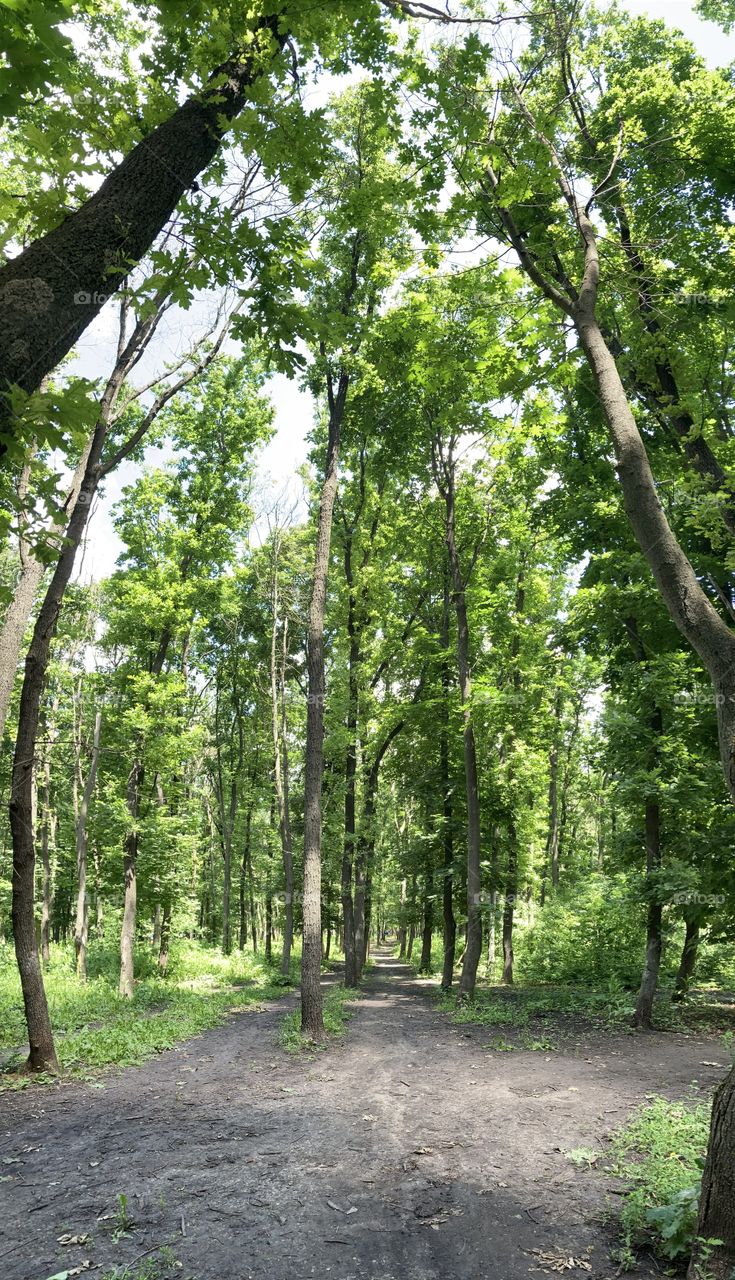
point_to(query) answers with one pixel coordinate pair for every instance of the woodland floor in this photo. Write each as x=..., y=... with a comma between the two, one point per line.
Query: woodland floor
x=230, y=1151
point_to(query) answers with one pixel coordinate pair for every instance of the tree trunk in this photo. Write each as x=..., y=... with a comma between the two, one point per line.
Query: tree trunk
x=163, y=949
x=248, y=857
x=402, y=923
x=48, y=839
x=312, y=1021
x=428, y=929
x=130, y=864
x=511, y=891
x=717, y=1201
x=20, y=608
x=53, y=289
x=156, y=938
x=688, y=960
x=81, y=927
x=643, y=1016
x=444, y=471
x=450, y=923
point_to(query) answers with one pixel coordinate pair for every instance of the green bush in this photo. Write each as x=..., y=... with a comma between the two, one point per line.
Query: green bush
x=660, y=1154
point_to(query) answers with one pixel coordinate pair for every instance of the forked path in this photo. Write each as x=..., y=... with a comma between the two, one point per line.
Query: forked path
x=412, y=1151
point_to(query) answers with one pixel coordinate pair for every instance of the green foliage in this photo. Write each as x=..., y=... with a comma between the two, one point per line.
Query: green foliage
x=660, y=1155
x=97, y=1028
x=336, y=1014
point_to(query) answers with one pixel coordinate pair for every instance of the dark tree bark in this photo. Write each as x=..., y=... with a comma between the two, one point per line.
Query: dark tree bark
x=688, y=960
x=52, y=291
x=717, y=1201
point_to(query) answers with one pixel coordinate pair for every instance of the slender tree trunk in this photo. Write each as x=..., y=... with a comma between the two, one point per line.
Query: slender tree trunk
x=688, y=960
x=312, y=1021
x=402, y=923
x=130, y=873
x=280, y=764
x=551, y=862
x=156, y=938
x=428, y=915
x=445, y=473
x=643, y=1016
x=81, y=927
x=450, y=923
x=165, y=942
x=98, y=904
x=242, y=932
x=511, y=892
x=411, y=940
x=48, y=840
x=248, y=858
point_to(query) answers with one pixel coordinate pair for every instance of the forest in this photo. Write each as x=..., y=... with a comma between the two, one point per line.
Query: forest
x=367, y=639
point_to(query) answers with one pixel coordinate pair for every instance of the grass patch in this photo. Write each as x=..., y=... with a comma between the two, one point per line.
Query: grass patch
x=660, y=1154
x=335, y=1016
x=96, y=1028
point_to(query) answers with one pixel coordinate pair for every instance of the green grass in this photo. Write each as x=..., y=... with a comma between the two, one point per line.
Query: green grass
x=95, y=1028
x=660, y=1154
x=335, y=1016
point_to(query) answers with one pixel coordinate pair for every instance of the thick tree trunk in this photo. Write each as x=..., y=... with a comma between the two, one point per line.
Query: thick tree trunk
x=81, y=927
x=717, y=1201
x=688, y=960
x=312, y=1021
x=53, y=289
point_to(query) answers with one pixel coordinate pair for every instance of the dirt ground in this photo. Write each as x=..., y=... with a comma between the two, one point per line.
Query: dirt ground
x=411, y=1151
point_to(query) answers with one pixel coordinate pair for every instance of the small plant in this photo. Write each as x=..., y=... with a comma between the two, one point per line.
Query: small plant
x=582, y=1157
x=123, y=1223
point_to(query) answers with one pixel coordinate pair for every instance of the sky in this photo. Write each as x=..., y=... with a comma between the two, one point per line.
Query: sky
x=284, y=455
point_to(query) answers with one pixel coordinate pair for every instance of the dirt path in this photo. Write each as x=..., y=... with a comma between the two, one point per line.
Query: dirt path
x=450, y=1153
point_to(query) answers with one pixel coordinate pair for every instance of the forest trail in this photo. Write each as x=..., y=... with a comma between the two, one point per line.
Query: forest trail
x=411, y=1151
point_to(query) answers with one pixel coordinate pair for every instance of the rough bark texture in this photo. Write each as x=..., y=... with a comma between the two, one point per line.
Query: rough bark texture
x=717, y=1202
x=51, y=291
x=312, y=1022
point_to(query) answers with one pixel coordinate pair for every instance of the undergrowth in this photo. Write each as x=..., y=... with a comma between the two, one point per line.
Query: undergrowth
x=335, y=1016
x=95, y=1027
x=660, y=1155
